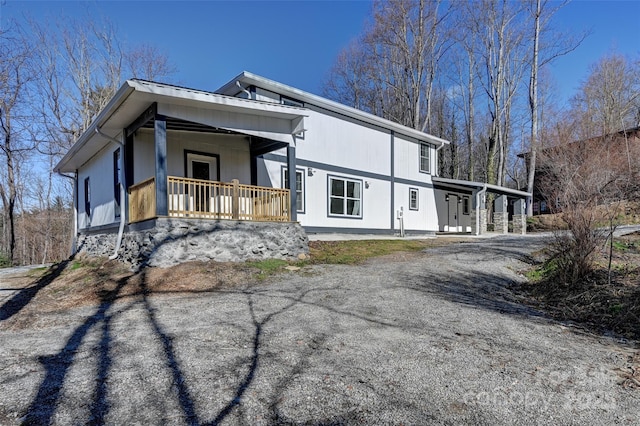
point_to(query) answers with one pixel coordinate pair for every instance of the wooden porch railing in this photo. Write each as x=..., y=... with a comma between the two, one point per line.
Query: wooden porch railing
x=219, y=200
x=142, y=200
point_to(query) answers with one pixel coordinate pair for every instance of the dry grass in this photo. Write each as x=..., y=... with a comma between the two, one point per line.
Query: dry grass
x=593, y=302
x=89, y=281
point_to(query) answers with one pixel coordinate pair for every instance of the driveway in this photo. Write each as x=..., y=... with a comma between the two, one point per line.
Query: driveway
x=432, y=338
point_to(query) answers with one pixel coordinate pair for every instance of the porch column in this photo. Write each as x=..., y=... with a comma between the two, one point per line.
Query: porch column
x=519, y=217
x=501, y=215
x=160, y=128
x=291, y=175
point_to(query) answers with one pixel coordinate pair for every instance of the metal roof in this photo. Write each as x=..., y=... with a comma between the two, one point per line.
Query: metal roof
x=248, y=78
x=481, y=185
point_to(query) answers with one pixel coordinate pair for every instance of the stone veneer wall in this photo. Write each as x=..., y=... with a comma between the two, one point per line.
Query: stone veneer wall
x=501, y=222
x=483, y=221
x=166, y=242
x=520, y=224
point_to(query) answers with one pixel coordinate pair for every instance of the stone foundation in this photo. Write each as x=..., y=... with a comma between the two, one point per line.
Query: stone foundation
x=501, y=222
x=520, y=224
x=166, y=242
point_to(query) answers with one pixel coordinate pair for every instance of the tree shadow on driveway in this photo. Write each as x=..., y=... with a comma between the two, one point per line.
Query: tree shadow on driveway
x=22, y=298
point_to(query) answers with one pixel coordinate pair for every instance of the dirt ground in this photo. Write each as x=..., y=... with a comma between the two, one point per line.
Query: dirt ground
x=439, y=337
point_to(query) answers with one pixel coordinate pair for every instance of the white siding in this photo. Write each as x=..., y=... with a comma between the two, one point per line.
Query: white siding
x=407, y=160
x=233, y=152
x=100, y=172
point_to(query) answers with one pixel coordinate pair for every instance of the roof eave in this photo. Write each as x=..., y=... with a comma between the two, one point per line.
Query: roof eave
x=121, y=95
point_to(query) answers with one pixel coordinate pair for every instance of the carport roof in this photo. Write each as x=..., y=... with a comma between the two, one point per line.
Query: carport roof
x=496, y=189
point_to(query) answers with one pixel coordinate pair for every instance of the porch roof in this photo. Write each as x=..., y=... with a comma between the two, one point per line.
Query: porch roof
x=263, y=119
x=496, y=189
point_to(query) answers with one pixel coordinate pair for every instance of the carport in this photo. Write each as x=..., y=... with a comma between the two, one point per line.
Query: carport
x=463, y=206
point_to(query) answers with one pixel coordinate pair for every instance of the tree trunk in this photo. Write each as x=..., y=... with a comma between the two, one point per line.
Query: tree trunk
x=533, y=105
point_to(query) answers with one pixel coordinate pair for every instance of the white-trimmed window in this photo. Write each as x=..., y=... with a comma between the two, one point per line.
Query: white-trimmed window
x=345, y=197
x=413, y=198
x=299, y=187
x=425, y=157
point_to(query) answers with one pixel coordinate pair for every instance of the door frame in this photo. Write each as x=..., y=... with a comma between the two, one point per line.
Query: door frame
x=205, y=157
x=449, y=197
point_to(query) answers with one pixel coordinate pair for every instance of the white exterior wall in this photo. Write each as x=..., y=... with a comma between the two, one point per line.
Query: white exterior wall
x=342, y=148
x=99, y=169
x=233, y=152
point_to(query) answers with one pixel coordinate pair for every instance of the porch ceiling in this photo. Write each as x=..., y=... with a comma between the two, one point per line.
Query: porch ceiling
x=258, y=145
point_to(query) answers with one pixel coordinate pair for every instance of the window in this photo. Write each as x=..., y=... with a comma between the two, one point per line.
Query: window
x=345, y=197
x=290, y=102
x=425, y=163
x=465, y=205
x=413, y=199
x=87, y=196
x=299, y=187
x=116, y=180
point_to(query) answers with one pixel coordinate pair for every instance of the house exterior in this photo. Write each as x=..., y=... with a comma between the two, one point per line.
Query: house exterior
x=619, y=149
x=248, y=170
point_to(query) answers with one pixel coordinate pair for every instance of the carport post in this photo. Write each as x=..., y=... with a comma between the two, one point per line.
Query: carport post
x=501, y=214
x=519, y=217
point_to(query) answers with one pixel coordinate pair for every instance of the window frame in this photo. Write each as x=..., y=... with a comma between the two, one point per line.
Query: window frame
x=287, y=101
x=301, y=197
x=417, y=199
x=465, y=205
x=427, y=157
x=345, y=198
x=87, y=195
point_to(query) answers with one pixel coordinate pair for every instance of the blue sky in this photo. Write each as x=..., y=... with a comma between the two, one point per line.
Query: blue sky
x=296, y=42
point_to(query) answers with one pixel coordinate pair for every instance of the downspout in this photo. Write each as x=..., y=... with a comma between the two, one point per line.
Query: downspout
x=480, y=193
x=122, y=194
x=244, y=90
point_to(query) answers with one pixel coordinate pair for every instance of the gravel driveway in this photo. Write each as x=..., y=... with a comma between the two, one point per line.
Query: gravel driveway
x=436, y=338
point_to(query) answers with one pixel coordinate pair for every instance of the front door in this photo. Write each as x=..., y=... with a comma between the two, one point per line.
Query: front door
x=454, y=213
x=201, y=167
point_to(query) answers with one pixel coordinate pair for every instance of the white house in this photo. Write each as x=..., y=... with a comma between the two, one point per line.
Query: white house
x=161, y=157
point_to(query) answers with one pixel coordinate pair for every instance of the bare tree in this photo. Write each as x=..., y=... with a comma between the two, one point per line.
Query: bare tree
x=15, y=76
x=585, y=182
x=554, y=45
x=391, y=70
x=608, y=100
x=53, y=82
x=147, y=62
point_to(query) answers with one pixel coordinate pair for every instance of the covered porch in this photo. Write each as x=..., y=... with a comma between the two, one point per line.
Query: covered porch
x=205, y=199
x=199, y=160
